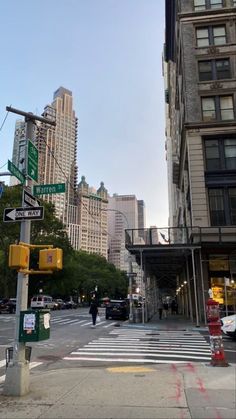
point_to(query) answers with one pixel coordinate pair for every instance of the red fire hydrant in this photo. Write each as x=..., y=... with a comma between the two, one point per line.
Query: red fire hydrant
x=216, y=343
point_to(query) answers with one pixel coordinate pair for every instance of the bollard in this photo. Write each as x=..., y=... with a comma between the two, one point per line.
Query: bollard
x=216, y=343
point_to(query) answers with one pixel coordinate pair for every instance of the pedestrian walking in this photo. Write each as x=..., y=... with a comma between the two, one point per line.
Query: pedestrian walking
x=165, y=309
x=160, y=308
x=174, y=307
x=94, y=310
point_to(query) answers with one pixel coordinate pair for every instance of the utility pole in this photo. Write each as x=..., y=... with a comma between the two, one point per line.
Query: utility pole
x=17, y=373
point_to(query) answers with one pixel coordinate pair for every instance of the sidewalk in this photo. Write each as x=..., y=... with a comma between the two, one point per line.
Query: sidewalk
x=165, y=391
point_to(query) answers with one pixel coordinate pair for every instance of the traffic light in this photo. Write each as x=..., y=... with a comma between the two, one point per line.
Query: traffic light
x=50, y=259
x=18, y=257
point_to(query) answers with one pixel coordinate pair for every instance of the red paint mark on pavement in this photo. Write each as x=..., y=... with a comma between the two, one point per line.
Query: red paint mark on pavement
x=191, y=367
x=201, y=386
x=173, y=367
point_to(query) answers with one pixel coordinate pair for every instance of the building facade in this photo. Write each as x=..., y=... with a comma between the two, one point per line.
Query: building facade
x=92, y=209
x=57, y=159
x=124, y=212
x=58, y=153
x=200, y=93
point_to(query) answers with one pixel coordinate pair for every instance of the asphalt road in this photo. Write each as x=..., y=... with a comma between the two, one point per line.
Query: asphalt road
x=74, y=343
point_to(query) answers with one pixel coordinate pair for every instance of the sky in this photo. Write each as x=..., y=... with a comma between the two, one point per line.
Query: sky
x=109, y=54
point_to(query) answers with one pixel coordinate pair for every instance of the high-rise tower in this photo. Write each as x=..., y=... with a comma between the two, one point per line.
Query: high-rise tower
x=58, y=152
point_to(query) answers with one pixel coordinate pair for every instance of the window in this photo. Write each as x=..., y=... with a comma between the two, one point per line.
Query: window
x=222, y=204
x=211, y=35
x=220, y=154
x=207, y=4
x=214, y=69
x=217, y=108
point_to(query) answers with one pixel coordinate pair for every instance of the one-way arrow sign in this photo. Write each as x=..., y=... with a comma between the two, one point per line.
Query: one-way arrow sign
x=19, y=214
x=30, y=200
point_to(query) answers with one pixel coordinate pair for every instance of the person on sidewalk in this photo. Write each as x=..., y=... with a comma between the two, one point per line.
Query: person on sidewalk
x=93, y=310
x=160, y=308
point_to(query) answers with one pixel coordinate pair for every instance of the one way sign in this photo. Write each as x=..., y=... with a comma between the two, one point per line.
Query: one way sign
x=30, y=200
x=20, y=214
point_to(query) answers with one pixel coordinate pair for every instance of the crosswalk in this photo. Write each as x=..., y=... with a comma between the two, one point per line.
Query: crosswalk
x=144, y=346
x=81, y=321
x=86, y=321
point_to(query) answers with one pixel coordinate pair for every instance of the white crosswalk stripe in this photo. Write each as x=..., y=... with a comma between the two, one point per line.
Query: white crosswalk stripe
x=127, y=345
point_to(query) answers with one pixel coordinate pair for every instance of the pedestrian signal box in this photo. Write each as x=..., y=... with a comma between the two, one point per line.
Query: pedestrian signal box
x=18, y=256
x=50, y=259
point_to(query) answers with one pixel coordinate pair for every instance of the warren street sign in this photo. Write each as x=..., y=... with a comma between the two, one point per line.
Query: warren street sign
x=20, y=214
x=15, y=171
x=49, y=189
x=32, y=161
x=30, y=200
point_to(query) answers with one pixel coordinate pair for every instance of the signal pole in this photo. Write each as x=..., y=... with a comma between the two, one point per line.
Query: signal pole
x=17, y=373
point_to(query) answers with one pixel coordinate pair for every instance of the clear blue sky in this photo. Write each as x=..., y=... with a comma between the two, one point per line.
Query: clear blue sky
x=109, y=53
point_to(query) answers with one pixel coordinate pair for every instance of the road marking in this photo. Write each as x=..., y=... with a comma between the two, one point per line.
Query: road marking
x=130, y=360
x=157, y=354
x=109, y=325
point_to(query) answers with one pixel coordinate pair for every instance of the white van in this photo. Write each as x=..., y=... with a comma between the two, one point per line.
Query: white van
x=42, y=301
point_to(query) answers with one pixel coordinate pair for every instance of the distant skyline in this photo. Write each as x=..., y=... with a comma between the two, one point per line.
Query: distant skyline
x=109, y=54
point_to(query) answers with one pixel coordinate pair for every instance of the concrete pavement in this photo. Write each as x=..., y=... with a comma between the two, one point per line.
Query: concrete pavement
x=165, y=391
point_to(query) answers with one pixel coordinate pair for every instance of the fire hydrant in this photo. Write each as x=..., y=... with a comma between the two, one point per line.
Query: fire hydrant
x=216, y=343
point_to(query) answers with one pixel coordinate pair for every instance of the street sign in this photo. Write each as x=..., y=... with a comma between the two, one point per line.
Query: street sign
x=15, y=171
x=30, y=200
x=32, y=161
x=49, y=189
x=132, y=274
x=20, y=214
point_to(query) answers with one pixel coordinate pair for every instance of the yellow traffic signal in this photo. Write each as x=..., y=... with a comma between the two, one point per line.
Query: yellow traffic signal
x=50, y=259
x=18, y=257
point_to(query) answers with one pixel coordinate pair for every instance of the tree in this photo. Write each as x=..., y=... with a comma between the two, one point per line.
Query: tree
x=47, y=231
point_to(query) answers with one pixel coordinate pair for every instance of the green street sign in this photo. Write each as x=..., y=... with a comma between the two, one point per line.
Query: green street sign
x=15, y=171
x=49, y=189
x=32, y=162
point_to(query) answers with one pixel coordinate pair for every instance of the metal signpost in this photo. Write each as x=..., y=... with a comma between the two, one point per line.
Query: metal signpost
x=49, y=189
x=17, y=373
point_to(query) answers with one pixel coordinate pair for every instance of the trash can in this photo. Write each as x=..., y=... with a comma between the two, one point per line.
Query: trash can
x=137, y=315
x=34, y=325
x=9, y=354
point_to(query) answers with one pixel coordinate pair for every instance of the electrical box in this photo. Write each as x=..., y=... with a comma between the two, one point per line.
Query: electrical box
x=34, y=325
x=18, y=256
x=50, y=259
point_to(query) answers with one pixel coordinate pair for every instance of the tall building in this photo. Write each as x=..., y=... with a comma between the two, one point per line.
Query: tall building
x=200, y=83
x=92, y=208
x=57, y=159
x=58, y=153
x=124, y=212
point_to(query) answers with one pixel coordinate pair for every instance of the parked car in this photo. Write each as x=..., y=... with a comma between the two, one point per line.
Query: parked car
x=41, y=301
x=228, y=325
x=59, y=304
x=8, y=305
x=117, y=309
x=70, y=304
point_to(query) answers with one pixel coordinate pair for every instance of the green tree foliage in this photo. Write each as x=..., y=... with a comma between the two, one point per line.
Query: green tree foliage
x=81, y=272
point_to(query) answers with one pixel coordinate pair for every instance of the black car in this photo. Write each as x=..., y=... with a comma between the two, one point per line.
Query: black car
x=117, y=309
x=8, y=305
